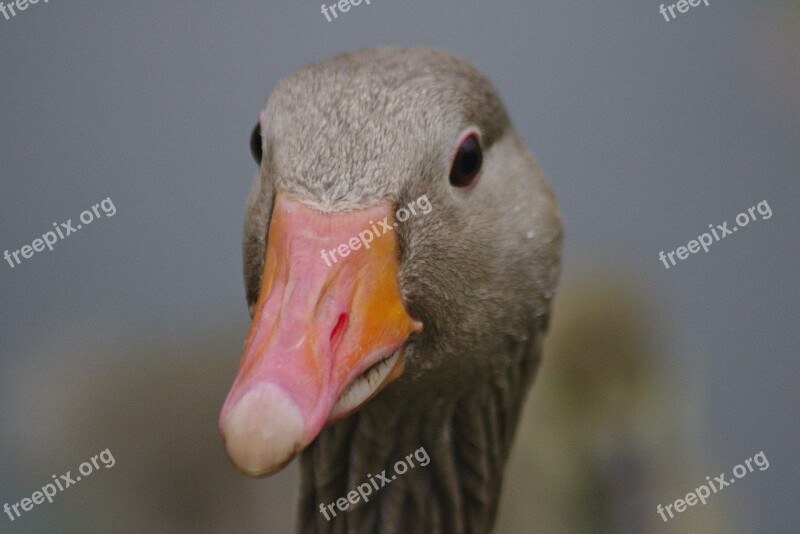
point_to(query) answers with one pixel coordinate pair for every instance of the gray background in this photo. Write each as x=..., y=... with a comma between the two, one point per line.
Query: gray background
x=648, y=131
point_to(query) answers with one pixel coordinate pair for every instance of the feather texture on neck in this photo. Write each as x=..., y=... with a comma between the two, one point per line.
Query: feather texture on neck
x=468, y=442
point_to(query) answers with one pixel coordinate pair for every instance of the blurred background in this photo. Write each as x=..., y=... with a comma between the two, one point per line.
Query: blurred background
x=127, y=335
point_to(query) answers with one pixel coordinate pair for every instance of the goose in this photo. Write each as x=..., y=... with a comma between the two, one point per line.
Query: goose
x=425, y=340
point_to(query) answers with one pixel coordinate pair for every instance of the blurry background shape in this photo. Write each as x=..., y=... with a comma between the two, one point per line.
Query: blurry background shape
x=159, y=420
x=610, y=429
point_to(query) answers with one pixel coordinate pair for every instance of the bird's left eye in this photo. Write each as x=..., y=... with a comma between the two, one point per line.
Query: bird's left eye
x=467, y=161
x=255, y=144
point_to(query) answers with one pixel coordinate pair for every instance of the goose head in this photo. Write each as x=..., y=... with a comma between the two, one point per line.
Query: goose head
x=434, y=304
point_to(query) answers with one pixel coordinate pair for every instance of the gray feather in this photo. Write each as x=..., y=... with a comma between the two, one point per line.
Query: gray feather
x=479, y=271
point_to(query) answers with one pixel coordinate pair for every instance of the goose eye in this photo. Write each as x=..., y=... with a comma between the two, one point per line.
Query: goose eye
x=255, y=144
x=466, y=162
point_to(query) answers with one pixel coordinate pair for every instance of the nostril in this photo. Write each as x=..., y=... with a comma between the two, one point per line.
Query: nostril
x=338, y=330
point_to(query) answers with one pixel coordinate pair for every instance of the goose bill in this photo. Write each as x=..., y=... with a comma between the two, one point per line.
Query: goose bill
x=326, y=336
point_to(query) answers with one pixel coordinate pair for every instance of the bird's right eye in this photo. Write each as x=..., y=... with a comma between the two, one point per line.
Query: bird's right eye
x=256, y=144
x=467, y=159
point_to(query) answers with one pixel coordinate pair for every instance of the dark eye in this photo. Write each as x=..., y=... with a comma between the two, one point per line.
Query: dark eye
x=466, y=162
x=255, y=144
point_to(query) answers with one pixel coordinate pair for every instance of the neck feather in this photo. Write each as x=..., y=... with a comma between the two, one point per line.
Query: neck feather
x=467, y=441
